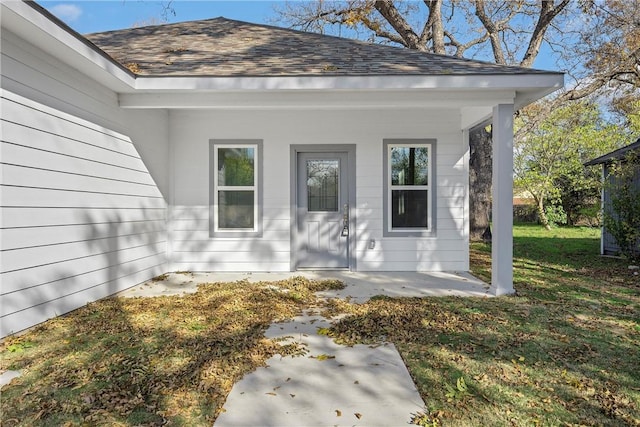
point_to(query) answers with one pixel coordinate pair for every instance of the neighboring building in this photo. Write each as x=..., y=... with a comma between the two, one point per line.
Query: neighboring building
x=220, y=145
x=608, y=244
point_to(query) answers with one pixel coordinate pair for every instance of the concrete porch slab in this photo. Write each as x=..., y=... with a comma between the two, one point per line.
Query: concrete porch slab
x=360, y=286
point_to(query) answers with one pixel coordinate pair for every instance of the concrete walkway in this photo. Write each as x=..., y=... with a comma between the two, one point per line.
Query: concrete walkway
x=331, y=385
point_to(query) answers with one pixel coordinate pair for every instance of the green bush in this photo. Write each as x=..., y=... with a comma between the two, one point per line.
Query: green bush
x=555, y=215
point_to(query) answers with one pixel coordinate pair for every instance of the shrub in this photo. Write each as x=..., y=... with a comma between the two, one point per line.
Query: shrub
x=555, y=215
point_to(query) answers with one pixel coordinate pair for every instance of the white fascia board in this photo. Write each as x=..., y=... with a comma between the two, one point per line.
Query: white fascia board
x=319, y=99
x=518, y=82
x=36, y=28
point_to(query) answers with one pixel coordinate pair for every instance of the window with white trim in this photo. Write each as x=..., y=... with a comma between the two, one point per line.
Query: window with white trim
x=409, y=190
x=235, y=187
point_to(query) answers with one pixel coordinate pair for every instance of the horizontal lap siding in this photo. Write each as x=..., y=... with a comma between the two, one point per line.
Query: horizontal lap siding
x=192, y=248
x=81, y=217
x=445, y=251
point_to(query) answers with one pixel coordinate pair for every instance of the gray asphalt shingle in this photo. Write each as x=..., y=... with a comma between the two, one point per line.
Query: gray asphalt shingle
x=225, y=47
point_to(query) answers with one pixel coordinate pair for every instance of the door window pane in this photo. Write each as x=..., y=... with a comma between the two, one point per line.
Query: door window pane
x=409, y=208
x=236, y=166
x=322, y=185
x=409, y=166
x=235, y=209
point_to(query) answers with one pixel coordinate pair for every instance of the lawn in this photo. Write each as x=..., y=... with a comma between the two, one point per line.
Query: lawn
x=564, y=351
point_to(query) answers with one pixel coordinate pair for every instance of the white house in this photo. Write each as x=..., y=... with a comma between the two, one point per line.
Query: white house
x=220, y=145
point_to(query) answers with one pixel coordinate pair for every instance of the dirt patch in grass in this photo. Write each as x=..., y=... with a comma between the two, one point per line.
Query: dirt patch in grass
x=148, y=361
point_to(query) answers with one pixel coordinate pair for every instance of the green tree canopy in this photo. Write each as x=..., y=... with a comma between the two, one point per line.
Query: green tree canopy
x=549, y=158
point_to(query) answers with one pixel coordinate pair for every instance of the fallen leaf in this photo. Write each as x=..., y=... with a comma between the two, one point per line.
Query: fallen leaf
x=338, y=413
x=322, y=357
x=358, y=415
x=271, y=394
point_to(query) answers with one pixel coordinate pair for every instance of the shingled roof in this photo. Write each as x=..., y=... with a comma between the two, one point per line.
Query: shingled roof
x=225, y=47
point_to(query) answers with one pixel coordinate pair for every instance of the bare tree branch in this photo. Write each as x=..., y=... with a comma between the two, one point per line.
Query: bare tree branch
x=548, y=12
x=492, y=31
x=397, y=21
x=462, y=48
x=433, y=28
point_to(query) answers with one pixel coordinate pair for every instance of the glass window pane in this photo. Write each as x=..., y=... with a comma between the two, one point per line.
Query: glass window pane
x=235, y=209
x=409, y=209
x=236, y=166
x=322, y=185
x=409, y=166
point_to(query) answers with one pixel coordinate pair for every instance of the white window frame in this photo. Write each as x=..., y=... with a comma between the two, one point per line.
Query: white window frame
x=389, y=230
x=256, y=230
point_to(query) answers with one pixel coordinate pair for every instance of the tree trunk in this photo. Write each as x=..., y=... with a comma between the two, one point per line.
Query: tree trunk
x=480, y=177
x=542, y=216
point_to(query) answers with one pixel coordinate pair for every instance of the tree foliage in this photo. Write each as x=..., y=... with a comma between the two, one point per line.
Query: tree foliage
x=548, y=159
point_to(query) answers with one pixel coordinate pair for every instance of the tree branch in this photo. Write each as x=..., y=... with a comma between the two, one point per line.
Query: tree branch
x=433, y=28
x=547, y=13
x=492, y=31
x=402, y=27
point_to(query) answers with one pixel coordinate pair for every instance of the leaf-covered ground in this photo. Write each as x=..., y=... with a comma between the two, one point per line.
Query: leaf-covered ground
x=148, y=361
x=565, y=351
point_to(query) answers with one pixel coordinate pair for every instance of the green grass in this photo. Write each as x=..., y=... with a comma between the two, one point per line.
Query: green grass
x=564, y=351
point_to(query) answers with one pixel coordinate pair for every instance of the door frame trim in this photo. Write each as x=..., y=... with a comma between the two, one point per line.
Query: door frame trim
x=350, y=150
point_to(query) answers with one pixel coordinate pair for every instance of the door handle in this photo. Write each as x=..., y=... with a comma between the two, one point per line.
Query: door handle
x=345, y=220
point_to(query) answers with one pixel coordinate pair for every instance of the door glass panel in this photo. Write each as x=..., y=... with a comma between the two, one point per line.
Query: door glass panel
x=236, y=209
x=409, y=166
x=322, y=185
x=236, y=166
x=409, y=208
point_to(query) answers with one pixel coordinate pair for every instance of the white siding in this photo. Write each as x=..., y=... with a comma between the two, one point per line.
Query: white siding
x=81, y=216
x=190, y=132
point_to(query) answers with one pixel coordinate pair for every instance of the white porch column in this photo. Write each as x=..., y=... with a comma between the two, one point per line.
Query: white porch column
x=502, y=195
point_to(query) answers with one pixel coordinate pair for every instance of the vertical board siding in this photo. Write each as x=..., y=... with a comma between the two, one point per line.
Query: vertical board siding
x=609, y=244
x=81, y=217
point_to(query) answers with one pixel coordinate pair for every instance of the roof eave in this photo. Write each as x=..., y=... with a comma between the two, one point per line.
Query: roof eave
x=614, y=155
x=35, y=24
x=529, y=87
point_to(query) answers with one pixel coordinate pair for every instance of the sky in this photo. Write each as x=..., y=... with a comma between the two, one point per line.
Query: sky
x=96, y=16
